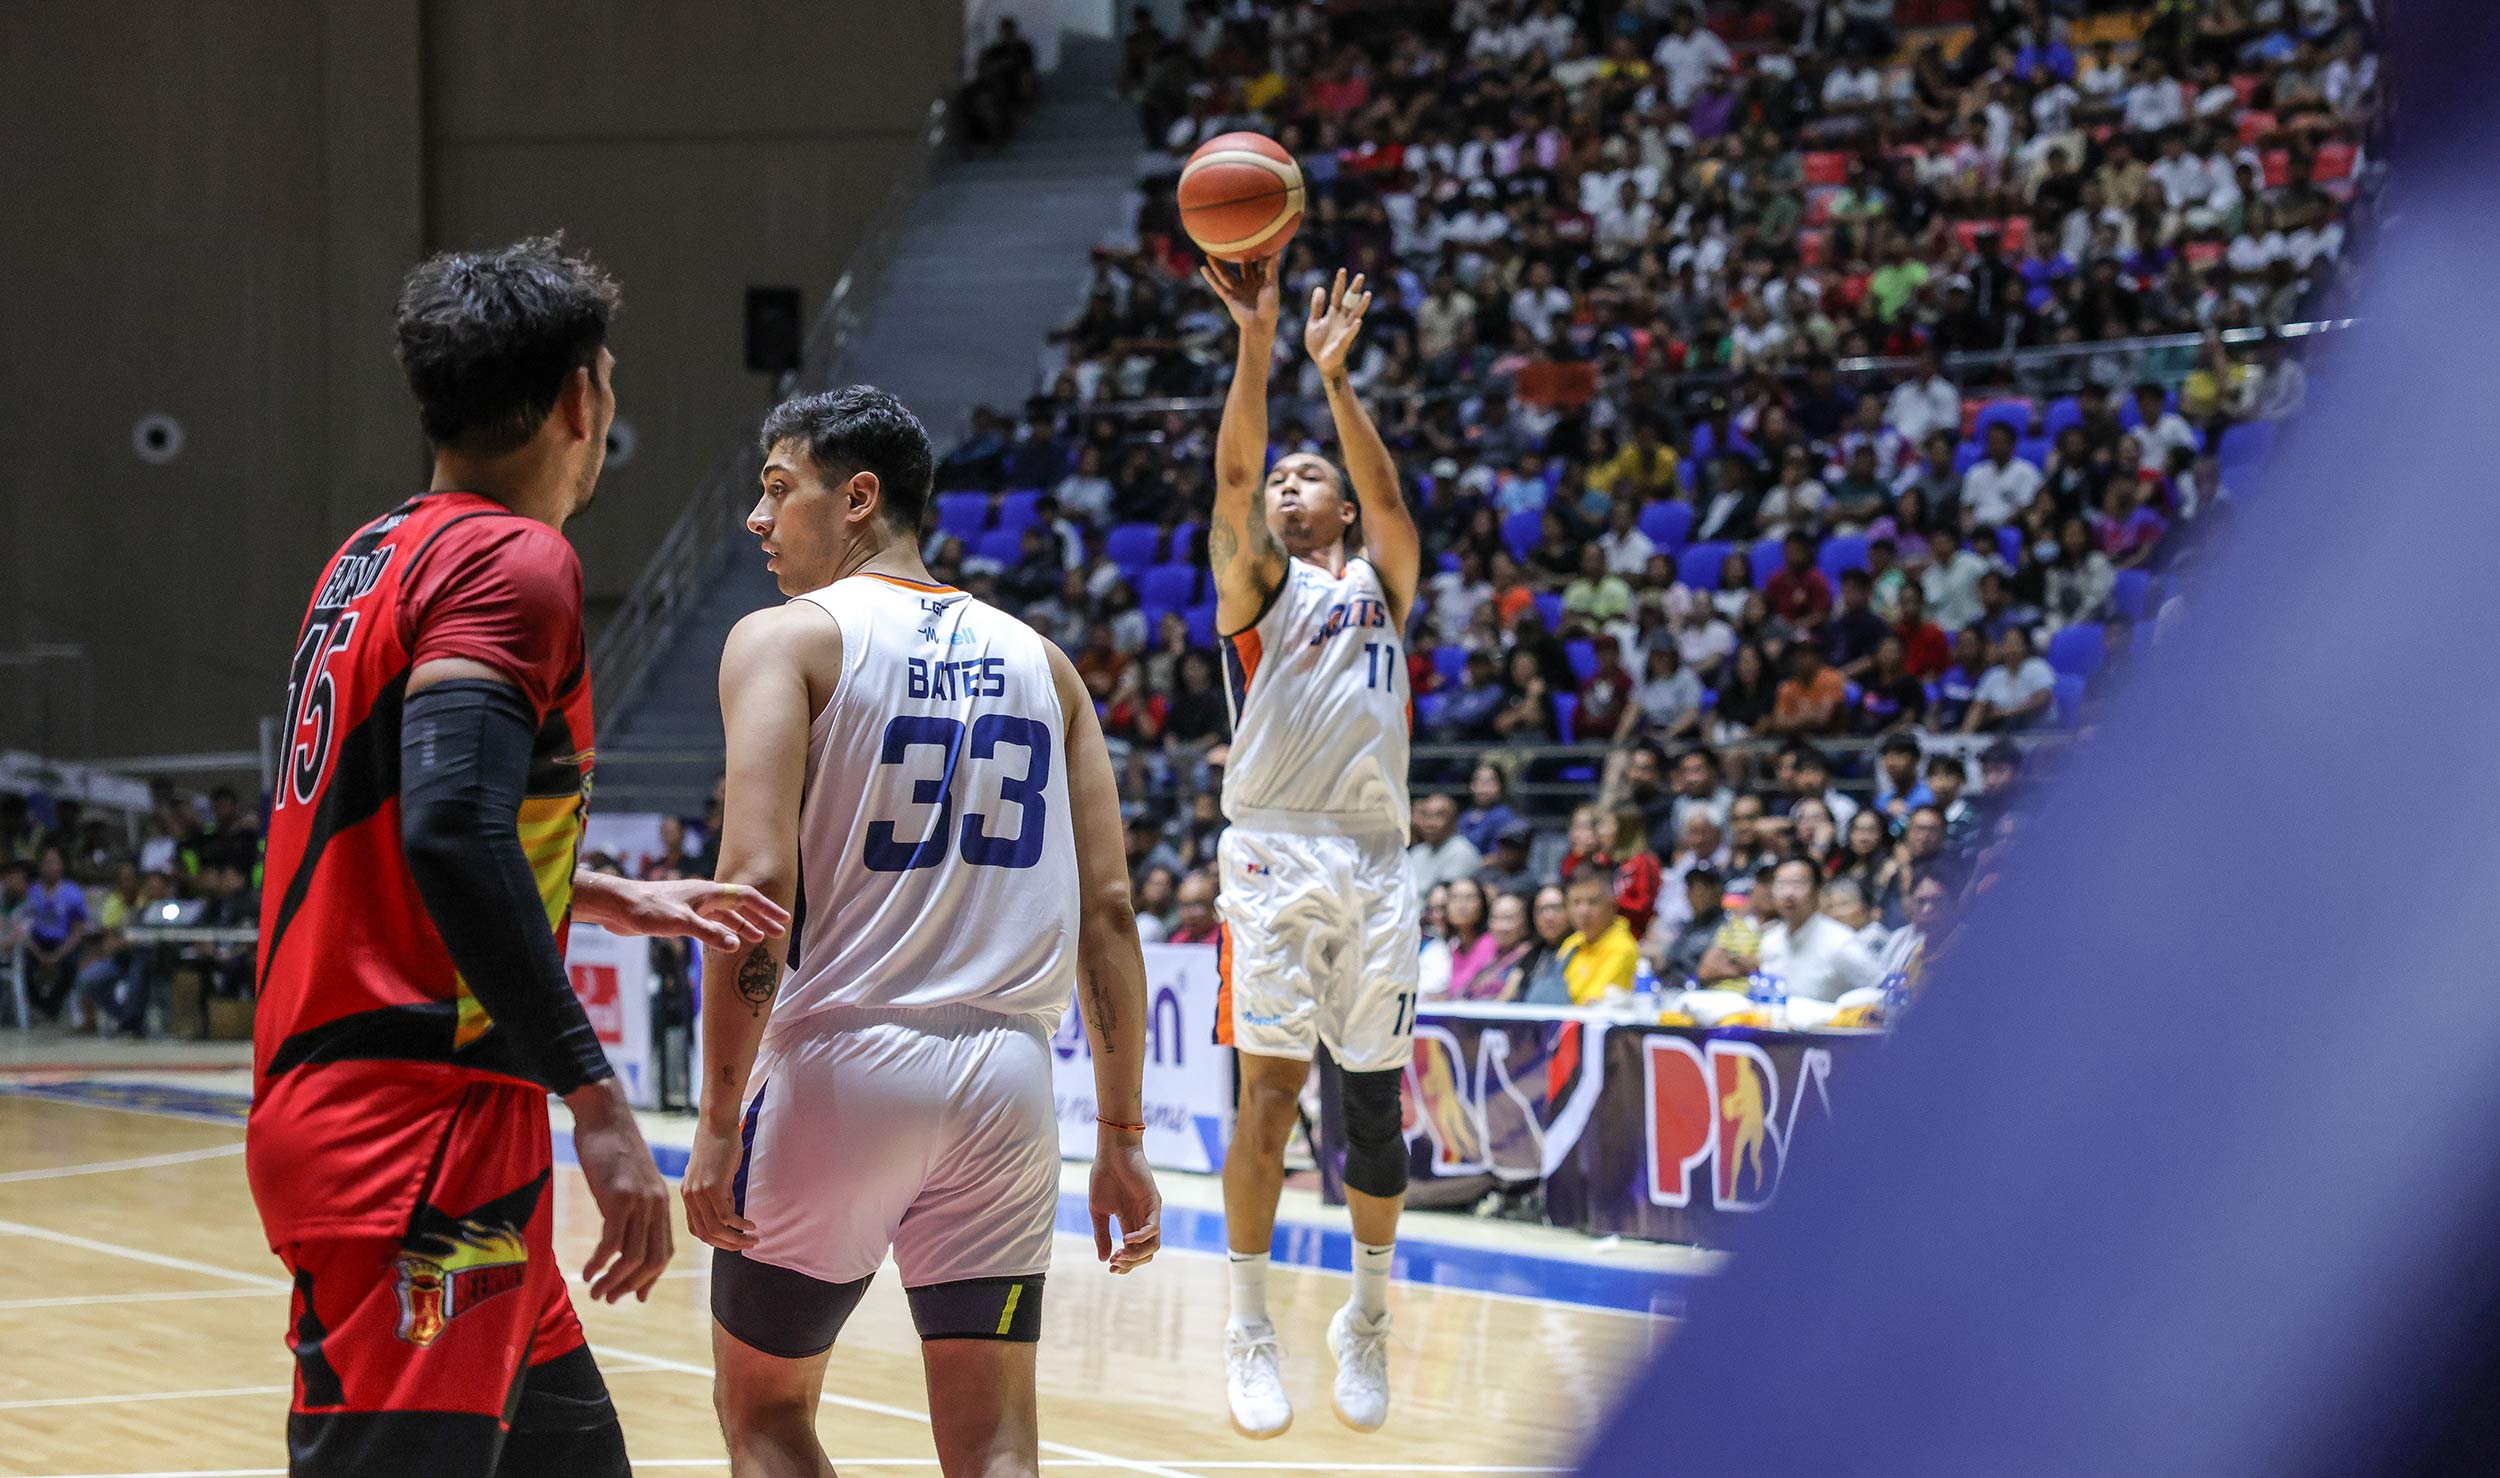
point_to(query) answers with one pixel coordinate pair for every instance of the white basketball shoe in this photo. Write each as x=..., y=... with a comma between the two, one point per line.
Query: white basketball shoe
x=1254, y=1382
x=1361, y=1348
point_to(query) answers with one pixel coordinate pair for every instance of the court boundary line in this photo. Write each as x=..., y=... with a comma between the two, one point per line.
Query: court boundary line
x=171, y=1295
x=33, y=1402
x=141, y=1162
x=1056, y=1465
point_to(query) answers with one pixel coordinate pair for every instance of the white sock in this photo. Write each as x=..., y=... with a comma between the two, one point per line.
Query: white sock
x=1249, y=1289
x=1371, y=1279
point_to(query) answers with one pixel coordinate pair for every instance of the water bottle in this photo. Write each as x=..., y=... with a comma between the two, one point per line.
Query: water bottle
x=1896, y=989
x=1645, y=992
x=1769, y=995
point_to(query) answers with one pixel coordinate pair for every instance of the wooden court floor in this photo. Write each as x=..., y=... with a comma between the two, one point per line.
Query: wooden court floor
x=141, y=1321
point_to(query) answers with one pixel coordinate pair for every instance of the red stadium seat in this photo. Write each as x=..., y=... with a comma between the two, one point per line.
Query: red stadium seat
x=2278, y=168
x=1819, y=205
x=1966, y=234
x=2202, y=255
x=2245, y=84
x=2335, y=161
x=2255, y=125
x=1826, y=167
x=1813, y=246
x=2015, y=234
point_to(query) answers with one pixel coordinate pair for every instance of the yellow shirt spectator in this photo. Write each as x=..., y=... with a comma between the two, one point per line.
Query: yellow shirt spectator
x=1592, y=969
x=1653, y=474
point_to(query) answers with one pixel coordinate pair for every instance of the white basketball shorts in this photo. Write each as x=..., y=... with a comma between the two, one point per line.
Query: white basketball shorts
x=1320, y=944
x=929, y=1131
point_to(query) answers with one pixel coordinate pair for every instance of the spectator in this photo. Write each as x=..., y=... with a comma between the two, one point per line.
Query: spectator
x=1194, y=920
x=1921, y=855
x=1596, y=592
x=1606, y=706
x=53, y=921
x=233, y=838
x=1812, y=700
x=1897, y=784
x=1818, y=956
x=1844, y=903
x=1705, y=913
x=2000, y=485
x=1889, y=698
x=1527, y=711
x=1797, y=591
x=1852, y=633
x=1946, y=776
x=1466, y=933
x=1667, y=702
x=111, y=987
x=2079, y=580
x=1599, y=954
x=2016, y=692
x=1951, y=583
x=1688, y=54
x=1638, y=875
x=1158, y=899
x=1910, y=949
x=1439, y=854
x=1506, y=870
x=1925, y=652
x=1488, y=811
x=1513, y=944
x=1865, y=852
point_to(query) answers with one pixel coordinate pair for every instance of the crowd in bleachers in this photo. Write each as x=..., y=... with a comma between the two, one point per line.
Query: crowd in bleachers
x=1782, y=387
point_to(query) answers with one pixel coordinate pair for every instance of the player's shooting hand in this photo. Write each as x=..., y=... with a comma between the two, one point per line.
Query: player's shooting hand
x=724, y=916
x=635, y=1242
x=1336, y=316
x=1248, y=290
x=1123, y=1187
x=708, y=1190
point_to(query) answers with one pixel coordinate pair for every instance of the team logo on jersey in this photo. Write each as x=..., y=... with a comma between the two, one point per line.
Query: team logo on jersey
x=451, y=1274
x=930, y=610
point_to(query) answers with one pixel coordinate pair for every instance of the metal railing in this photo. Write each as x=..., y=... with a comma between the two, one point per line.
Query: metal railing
x=682, y=566
x=2045, y=368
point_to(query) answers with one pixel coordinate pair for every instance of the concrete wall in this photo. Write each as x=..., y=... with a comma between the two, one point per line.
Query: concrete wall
x=211, y=203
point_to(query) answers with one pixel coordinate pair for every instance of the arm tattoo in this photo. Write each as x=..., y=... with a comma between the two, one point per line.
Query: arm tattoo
x=758, y=978
x=1106, y=1011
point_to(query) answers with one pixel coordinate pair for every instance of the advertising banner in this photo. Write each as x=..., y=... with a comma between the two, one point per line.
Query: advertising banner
x=612, y=975
x=1189, y=1080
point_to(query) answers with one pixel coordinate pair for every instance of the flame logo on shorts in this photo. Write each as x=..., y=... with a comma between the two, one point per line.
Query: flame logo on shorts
x=450, y=1275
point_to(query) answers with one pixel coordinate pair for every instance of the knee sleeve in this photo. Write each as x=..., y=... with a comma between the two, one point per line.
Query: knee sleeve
x=563, y=1422
x=1375, y=1137
x=979, y=1308
x=777, y=1312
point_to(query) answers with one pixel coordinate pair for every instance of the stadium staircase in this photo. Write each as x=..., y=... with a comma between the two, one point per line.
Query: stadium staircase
x=982, y=264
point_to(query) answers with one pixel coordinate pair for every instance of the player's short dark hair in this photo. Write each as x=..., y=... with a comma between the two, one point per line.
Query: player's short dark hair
x=487, y=339
x=860, y=428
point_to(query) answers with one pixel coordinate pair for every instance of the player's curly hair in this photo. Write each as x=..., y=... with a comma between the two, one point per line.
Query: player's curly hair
x=487, y=339
x=860, y=428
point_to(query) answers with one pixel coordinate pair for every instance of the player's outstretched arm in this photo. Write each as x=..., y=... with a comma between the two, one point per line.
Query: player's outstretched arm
x=1111, y=987
x=1390, y=538
x=766, y=705
x=726, y=916
x=466, y=732
x=1247, y=562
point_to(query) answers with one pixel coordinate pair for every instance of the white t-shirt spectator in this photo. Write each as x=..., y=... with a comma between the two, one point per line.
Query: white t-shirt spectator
x=1665, y=700
x=2155, y=105
x=1755, y=342
x=1455, y=600
x=1622, y=228
x=1428, y=866
x=2157, y=439
x=1995, y=494
x=1918, y=407
x=1087, y=498
x=1706, y=645
x=1540, y=309
x=2004, y=691
x=1852, y=87
x=1627, y=553
x=1687, y=61
x=2183, y=178
x=1952, y=589
x=2054, y=107
x=1821, y=960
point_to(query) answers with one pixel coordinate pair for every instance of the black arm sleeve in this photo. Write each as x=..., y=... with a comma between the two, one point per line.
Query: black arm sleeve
x=464, y=756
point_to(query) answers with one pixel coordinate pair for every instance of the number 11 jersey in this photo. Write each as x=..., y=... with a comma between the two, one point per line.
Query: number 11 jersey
x=937, y=859
x=1320, y=703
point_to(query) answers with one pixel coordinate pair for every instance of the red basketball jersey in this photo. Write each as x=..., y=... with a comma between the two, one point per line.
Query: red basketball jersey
x=365, y=1035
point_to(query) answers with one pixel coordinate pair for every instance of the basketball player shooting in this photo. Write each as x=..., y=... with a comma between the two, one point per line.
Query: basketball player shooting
x=922, y=778
x=1321, y=930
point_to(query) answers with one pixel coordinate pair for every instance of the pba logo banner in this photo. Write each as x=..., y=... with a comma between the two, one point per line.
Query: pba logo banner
x=1508, y=1099
x=1721, y=1113
x=1189, y=1081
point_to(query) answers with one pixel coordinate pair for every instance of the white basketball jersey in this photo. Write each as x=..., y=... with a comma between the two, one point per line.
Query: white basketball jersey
x=937, y=858
x=1320, y=706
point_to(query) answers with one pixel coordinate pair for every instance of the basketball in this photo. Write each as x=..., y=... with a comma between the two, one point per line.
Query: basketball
x=1241, y=197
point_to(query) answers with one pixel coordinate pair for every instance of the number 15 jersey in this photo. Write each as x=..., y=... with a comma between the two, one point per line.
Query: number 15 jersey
x=937, y=858
x=1319, y=696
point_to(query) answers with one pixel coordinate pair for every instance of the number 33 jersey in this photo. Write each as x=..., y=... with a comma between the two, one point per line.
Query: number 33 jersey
x=1319, y=696
x=937, y=857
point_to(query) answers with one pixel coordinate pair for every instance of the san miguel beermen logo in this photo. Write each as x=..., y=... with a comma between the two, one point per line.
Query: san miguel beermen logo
x=451, y=1264
x=1721, y=1109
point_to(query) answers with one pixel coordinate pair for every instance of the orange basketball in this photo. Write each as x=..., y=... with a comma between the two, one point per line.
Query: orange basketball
x=1241, y=197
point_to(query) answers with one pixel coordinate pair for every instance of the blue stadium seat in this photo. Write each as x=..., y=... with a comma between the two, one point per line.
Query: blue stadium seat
x=1168, y=585
x=2246, y=445
x=1766, y=561
x=1852, y=692
x=1003, y=545
x=2010, y=543
x=1842, y=552
x=1428, y=710
x=1018, y=507
x=2077, y=651
x=2013, y=412
x=1566, y=711
x=1201, y=619
x=1698, y=565
x=1451, y=663
x=2132, y=594
x=2068, y=704
x=1549, y=609
x=963, y=515
x=1710, y=697
x=1583, y=658
x=1132, y=546
x=1183, y=548
x=1966, y=456
x=1520, y=533
x=1447, y=563
x=2033, y=449
x=1667, y=523
x=2063, y=412
x=1154, y=611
